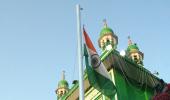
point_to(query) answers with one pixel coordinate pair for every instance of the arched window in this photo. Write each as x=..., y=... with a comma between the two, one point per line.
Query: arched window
x=135, y=58
x=61, y=92
x=107, y=41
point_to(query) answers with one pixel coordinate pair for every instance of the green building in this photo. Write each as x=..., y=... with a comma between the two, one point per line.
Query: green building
x=132, y=80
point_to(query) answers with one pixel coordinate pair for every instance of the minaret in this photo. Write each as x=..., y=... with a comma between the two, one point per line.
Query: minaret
x=62, y=86
x=108, y=40
x=134, y=53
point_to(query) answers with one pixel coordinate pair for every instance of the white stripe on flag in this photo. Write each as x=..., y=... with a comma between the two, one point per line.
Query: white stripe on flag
x=101, y=69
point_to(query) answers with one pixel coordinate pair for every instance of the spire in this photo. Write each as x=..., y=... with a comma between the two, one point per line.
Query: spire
x=105, y=23
x=63, y=75
x=134, y=53
x=63, y=86
x=129, y=40
x=107, y=40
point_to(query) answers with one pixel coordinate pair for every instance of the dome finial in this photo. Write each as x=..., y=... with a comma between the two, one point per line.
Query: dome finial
x=105, y=22
x=129, y=40
x=63, y=75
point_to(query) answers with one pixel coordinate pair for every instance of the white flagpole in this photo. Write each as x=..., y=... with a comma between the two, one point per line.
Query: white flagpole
x=80, y=54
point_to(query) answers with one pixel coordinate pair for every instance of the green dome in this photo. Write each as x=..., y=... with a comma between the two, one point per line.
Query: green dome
x=132, y=47
x=106, y=30
x=62, y=83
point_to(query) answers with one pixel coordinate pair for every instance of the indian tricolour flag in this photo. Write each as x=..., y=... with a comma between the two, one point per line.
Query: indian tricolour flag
x=98, y=75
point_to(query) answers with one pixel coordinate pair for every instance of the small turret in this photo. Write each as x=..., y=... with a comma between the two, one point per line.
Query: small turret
x=108, y=39
x=134, y=53
x=63, y=86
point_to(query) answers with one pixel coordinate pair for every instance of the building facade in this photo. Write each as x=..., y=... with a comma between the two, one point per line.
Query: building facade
x=132, y=80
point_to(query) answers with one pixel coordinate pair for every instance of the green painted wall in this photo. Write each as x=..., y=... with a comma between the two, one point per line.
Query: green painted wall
x=126, y=90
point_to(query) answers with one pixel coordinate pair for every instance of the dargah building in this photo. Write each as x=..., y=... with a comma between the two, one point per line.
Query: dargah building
x=131, y=79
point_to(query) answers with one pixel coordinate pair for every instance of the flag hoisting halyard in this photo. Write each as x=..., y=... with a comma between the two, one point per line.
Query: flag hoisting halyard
x=98, y=76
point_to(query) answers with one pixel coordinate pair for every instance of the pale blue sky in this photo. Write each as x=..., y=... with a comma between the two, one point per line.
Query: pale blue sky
x=38, y=40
